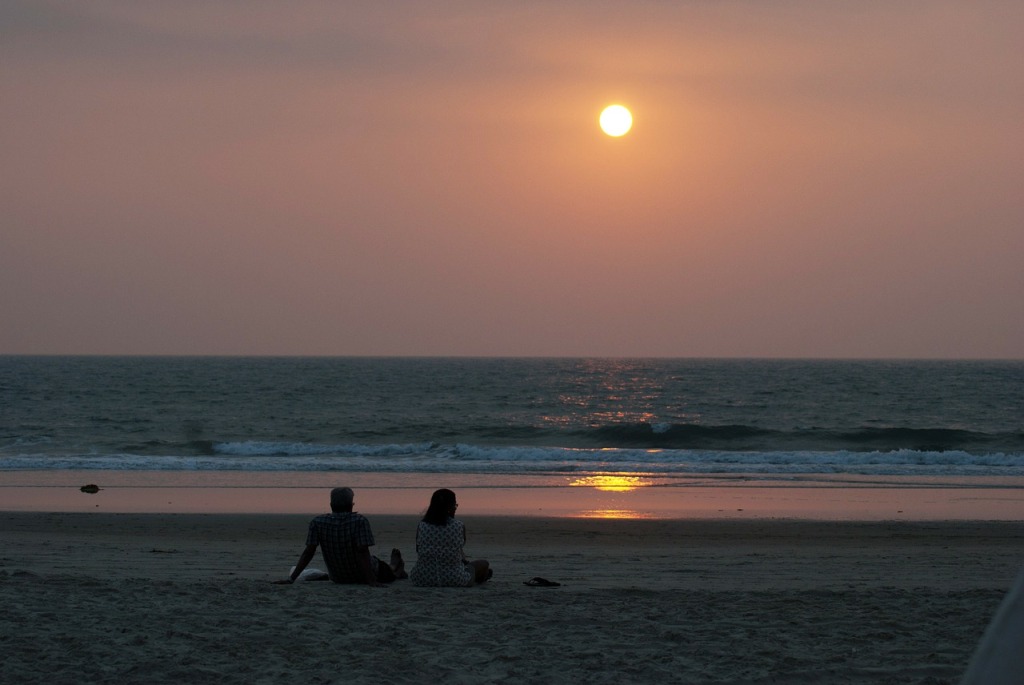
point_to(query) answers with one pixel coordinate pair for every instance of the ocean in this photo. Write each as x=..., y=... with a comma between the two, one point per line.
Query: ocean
x=661, y=419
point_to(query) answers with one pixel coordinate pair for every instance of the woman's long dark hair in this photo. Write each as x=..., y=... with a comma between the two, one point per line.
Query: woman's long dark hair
x=442, y=502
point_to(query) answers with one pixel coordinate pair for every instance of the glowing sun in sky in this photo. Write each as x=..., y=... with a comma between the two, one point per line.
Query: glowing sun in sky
x=616, y=120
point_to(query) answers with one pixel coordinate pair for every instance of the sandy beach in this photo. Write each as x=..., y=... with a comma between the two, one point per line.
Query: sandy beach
x=168, y=598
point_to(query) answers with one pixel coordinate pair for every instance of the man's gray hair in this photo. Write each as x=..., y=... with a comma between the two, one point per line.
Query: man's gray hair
x=341, y=499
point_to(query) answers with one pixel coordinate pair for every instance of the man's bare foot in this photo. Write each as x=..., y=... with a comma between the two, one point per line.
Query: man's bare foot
x=398, y=564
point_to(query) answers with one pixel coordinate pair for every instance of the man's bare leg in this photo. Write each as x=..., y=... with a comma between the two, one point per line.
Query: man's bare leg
x=398, y=564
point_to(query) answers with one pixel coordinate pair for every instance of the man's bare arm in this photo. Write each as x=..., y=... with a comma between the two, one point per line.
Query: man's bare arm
x=307, y=556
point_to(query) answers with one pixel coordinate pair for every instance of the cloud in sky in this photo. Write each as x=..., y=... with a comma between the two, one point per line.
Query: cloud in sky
x=803, y=179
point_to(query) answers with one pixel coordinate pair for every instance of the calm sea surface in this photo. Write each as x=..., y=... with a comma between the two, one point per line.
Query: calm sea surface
x=666, y=418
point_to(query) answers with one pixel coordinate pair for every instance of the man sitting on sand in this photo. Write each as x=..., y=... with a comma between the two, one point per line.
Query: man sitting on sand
x=345, y=539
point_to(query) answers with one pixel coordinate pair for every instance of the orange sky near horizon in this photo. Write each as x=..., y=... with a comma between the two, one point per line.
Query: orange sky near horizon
x=801, y=180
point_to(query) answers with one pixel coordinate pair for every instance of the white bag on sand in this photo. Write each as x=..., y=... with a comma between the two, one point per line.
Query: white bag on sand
x=309, y=574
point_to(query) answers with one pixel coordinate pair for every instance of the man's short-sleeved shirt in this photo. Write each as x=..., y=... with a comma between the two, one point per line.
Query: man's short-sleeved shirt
x=339, y=535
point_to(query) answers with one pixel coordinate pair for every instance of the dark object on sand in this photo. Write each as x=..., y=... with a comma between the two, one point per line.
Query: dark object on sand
x=91, y=488
x=541, y=582
x=998, y=659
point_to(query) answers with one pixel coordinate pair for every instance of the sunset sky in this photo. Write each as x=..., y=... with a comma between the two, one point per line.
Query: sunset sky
x=803, y=178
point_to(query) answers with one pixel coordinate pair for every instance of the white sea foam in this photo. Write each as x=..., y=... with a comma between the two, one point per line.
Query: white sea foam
x=462, y=458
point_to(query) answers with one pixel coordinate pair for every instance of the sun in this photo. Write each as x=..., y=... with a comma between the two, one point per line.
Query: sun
x=616, y=120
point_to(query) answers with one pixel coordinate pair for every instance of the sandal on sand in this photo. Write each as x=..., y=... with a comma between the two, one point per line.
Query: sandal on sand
x=541, y=582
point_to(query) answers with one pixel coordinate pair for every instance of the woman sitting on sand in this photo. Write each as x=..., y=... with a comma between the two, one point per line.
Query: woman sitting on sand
x=440, y=538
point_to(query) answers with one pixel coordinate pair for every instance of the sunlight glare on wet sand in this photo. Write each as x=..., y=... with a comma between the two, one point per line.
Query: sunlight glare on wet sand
x=614, y=514
x=603, y=496
x=611, y=482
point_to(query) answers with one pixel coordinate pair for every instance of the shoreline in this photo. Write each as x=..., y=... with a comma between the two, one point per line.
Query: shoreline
x=606, y=497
